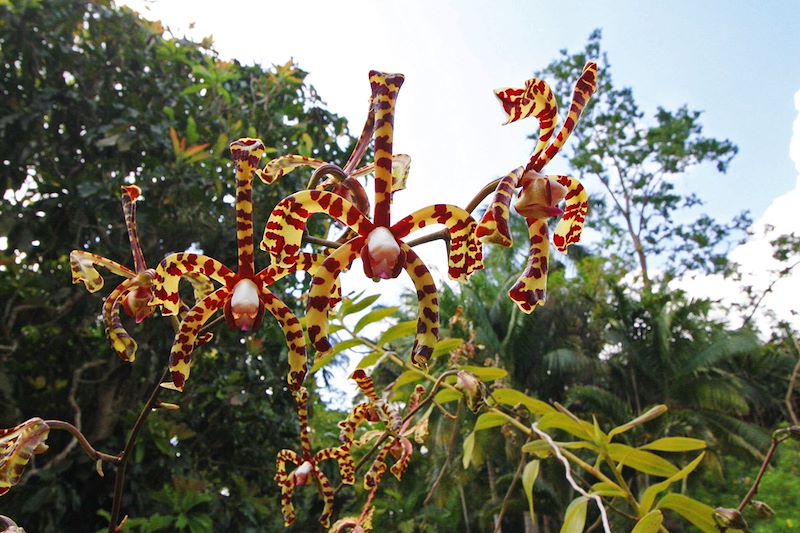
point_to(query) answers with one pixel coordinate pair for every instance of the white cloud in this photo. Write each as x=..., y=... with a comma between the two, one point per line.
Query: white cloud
x=758, y=267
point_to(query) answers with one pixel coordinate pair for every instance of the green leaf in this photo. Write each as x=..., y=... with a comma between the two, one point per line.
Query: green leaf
x=447, y=396
x=485, y=373
x=640, y=460
x=398, y=331
x=320, y=362
x=409, y=376
x=575, y=517
x=556, y=420
x=469, y=447
x=608, y=490
x=355, y=305
x=675, y=444
x=445, y=347
x=542, y=449
x=650, y=414
x=650, y=523
x=652, y=491
x=698, y=514
x=375, y=316
x=489, y=420
x=529, y=475
x=513, y=397
x=370, y=359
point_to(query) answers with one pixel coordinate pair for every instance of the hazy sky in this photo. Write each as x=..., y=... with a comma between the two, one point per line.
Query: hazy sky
x=737, y=61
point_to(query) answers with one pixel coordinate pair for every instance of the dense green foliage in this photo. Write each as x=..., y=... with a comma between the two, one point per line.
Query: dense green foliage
x=93, y=97
x=90, y=93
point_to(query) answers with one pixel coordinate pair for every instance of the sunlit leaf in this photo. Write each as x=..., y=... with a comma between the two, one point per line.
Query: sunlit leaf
x=608, y=490
x=409, y=376
x=675, y=444
x=489, y=420
x=542, y=449
x=398, y=331
x=447, y=396
x=556, y=420
x=650, y=523
x=513, y=397
x=646, y=462
x=529, y=475
x=370, y=359
x=469, y=447
x=355, y=305
x=575, y=517
x=652, y=491
x=445, y=347
x=337, y=349
x=485, y=373
x=698, y=514
x=374, y=316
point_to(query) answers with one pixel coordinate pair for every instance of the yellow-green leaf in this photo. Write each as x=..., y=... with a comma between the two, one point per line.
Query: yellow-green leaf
x=650, y=523
x=446, y=396
x=640, y=460
x=355, y=305
x=409, y=376
x=513, y=397
x=698, y=514
x=608, y=490
x=654, y=490
x=575, y=517
x=675, y=444
x=529, y=475
x=374, y=316
x=542, y=449
x=370, y=359
x=398, y=331
x=485, y=373
x=489, y=420
x=445, y=347
x=556, y=420
x=650, y=414
x=469, y=447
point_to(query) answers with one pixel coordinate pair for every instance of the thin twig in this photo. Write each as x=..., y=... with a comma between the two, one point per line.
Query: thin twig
x=119, y=482
x=81, y=439
x=507, y=497
x=450, y=449
x=777, y=437
x=789, y=400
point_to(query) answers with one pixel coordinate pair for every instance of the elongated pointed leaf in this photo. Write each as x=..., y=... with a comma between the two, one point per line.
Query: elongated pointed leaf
x=698, y=514
x=355, y=305
x=445, y=346
x=675, y=444
x=489, y=420
x=374, y=316
x=469, y=447
x=512, y=398
x=529, y=475
x=654, y=490
x=409, y=376
x=556, y=420
x=485, y=373
x=542, y=449
x=398, y=331
x=575, y=517
x=650, y=523
x=447, y=396
x=608, y=490
x=646, y=462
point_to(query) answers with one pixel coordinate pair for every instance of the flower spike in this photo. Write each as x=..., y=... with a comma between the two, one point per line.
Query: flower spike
x=135, y=293
x=540, y=195
x=376, y=241
x=307, y=467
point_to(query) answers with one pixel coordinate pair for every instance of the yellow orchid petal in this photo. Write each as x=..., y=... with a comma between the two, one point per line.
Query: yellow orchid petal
x=530, y=289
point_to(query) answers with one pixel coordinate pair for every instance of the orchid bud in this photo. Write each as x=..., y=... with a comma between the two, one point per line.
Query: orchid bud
x=472, y=388
x=762, y=510
x=729, y=519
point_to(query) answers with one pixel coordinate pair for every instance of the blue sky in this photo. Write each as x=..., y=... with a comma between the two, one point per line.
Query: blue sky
x=736, y=61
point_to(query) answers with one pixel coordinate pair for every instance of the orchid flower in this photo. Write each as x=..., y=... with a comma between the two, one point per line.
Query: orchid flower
x=376, y=409
x=244, y=294
x=378, y=242
x=134, y=294
x=541, y=195
x=308, y=467
x=17, y=446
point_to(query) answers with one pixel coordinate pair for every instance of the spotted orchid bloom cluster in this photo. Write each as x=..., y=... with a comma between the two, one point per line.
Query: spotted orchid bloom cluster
x=540, y=195
x=308, y=467
x=135, y=293
x=377, y=241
